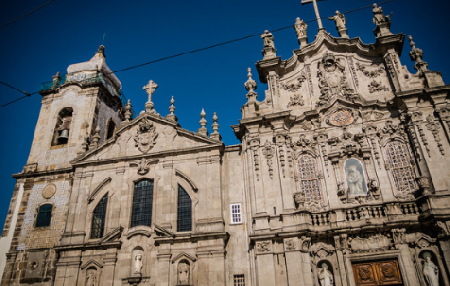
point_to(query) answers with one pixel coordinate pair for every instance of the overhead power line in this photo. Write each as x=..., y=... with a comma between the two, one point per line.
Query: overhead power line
x=42, y=6
x=190, y=52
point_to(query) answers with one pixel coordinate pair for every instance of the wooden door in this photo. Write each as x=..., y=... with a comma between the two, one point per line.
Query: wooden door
x=377, y=273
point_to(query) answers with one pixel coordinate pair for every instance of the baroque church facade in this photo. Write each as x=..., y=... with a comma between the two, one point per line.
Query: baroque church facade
x=340, y=178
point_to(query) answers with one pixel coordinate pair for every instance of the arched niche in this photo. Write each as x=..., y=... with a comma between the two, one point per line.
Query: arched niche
x=137, y=262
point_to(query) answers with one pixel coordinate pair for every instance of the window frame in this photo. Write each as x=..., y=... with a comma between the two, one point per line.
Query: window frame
x=238, y=283
x=178, y=209
x=135, y=183
x=104, y=218
x=239, y=213
x=46, y=212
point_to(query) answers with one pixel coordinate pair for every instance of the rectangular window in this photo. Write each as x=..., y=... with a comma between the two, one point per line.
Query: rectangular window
x=236, y=213
x=239, y=280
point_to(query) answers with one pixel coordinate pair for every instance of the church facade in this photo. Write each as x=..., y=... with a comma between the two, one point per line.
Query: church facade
x=340, y=178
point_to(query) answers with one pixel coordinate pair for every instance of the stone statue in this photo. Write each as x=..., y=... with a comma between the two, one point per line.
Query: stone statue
x=268, y=39
x=300, y=28
x=378, y=16
x=90, y=279
x=325, y=276
x=339, y=20
x=183, y=274
x=138, y=262
x=430, y=270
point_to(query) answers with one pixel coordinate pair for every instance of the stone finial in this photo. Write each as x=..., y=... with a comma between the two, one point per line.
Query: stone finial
x=251, y=85
x=416, y=56
x=339, y=21
x=150, y=89
x=203, y=131
x=269, y=50
x=96, y=137
x=128, y=111
x=172, y=116
x=215, y=126
x=302, y=34
x=383, y=22
x=84, y=145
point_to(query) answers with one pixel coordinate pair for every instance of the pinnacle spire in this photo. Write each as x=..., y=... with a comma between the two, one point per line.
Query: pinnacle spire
x=215, y=126
x=172, y=116
x=203, y=131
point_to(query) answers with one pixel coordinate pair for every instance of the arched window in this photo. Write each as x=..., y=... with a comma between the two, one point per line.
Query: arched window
x=110, y=129
x=309, y=180
x=98, y=218
x=402, y=170
x=62, y=127
x=142, y=203
x=184, y=219
x=44, y=216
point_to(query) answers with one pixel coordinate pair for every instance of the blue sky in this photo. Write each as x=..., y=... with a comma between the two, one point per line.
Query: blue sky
x=65, y=32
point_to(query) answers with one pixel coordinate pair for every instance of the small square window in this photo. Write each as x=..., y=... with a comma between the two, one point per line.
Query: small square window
x=236, y=213
x=239, y=280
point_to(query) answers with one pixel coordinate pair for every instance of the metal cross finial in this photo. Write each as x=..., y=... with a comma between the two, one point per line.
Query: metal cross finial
x=316, y=9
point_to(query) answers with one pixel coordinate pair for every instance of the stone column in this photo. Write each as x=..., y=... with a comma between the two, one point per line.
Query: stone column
x=9, y=268
x=339, y=241
x=306, y=268
x=163, y=257
x=109, y=261
x=114, y=215
x=265, y=264
x=293, y=260
x=445, y=248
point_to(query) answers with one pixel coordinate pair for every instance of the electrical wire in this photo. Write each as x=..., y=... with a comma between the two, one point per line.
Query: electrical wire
x=42, y=6
x=193, y=51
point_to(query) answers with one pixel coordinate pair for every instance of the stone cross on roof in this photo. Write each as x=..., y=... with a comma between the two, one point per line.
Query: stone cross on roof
x=316, y=9
x=150, y=89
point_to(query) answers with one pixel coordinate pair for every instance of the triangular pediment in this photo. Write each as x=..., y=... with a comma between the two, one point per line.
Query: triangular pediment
x=148, y=134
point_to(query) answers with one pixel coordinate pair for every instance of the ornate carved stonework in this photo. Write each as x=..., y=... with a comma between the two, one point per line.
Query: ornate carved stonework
x=375, y=86
x=371, y=74
x=289, y=244
x=434, y=127
x=297, y=99
x=143, y=165
x=341, y=117
x=146, y=135
x=268, y=151
x=263, y=246
x=49, y=191
x=332, y=80
x=293, y=87
x=254, y=145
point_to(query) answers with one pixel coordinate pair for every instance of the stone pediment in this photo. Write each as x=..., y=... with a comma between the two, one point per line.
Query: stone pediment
x=148, y=134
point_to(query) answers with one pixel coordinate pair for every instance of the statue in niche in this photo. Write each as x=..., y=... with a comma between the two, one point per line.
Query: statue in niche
x=355, y=179
x=268, y=39
x=430, y=270
x=325, y=276
x=91, y=279
x=138, y=262
x=183, y=273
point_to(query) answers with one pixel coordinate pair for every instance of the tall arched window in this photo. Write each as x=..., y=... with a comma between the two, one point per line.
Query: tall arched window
x=142, y=203
x=402, y=170
x=309, y=180
x=184, y=214
x=98, y=218
x=44, y=216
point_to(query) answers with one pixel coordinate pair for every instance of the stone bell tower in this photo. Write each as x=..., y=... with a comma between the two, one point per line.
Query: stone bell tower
x=79, y=111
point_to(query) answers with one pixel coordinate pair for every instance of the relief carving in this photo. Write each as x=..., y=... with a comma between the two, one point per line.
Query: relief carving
x=434, y=127
x=341, y=117
x=293, y=87
x=332, y=80
x=373, y=243
x=297, y=99
x=254, y=145
x=370, y=74
x=146, y=135
x=263, y=246
x=375, y=86
x=289, y=244
x=268, y=151
x=143, y=165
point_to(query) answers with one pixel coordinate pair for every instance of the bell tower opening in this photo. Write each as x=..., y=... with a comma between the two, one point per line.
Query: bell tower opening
x=62, y=128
